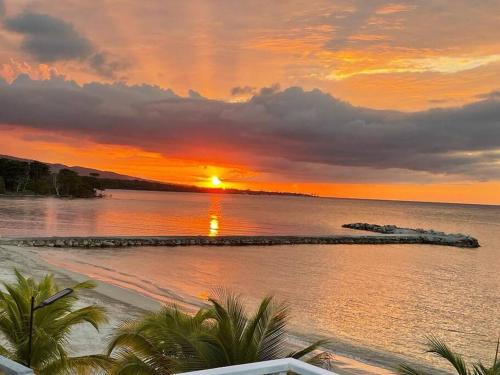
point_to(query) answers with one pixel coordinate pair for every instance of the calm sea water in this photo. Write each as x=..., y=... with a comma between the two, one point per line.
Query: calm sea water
x=376, y=302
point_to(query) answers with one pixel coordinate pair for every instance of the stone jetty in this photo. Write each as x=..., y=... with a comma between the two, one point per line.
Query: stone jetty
x=460, y=240
x=413, y=236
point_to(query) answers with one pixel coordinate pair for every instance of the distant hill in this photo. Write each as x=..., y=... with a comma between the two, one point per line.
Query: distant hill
x=112, y=180
x=82, y=171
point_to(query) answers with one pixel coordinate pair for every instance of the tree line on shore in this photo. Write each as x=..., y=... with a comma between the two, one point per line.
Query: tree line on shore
x=165, y=342
x=34, y=177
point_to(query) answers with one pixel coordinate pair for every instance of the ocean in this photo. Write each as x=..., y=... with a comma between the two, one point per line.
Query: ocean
x=376, y=302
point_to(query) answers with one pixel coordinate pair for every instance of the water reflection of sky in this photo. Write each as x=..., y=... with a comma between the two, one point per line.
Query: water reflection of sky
x=160, y=213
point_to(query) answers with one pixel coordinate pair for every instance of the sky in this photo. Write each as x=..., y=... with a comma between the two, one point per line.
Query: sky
x=364, y=99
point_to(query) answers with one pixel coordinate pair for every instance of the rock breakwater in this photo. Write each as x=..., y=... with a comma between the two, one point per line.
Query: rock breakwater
x=460, y=240
x=415, y=237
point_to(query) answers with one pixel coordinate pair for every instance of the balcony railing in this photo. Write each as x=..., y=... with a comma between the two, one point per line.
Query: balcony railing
x=277, y=366
x=9, y=367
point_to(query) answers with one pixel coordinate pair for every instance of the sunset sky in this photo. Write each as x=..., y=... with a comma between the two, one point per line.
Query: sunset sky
x=365, y=99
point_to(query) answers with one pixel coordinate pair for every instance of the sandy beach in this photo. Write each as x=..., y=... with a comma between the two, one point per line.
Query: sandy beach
x=121, y=305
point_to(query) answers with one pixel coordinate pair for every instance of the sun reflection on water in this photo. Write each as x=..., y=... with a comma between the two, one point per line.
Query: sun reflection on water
x=214, y=226
x=214, y=214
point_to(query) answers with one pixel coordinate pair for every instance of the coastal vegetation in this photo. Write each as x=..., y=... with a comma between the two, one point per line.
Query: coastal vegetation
x=222, y=334
x=136, y=184
x=33, y=177
x=442, y=350
x=23, y=177
x=52, y=326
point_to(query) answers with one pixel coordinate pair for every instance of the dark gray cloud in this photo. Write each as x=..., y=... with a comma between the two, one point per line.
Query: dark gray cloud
x=106, y=65
x=489, y=95
x=195, y=95
x=290, y=132
x=243, y=90
x=2, y=9
x=48, y=38
x=438, y=101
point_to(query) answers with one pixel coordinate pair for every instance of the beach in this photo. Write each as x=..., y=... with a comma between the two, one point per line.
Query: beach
x=121, y=304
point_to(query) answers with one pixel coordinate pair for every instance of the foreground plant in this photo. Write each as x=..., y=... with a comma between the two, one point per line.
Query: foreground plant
x=222, y=334
x=51, y=329
x=440, y=349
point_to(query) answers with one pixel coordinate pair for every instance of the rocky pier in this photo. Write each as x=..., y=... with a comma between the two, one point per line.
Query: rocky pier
x=387, y=235
x=458, y=239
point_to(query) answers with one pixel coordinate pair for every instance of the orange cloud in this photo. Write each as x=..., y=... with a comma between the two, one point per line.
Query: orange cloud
x=394, y=8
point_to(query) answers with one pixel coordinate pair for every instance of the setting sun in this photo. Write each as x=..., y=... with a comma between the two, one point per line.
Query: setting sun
x=216, y=181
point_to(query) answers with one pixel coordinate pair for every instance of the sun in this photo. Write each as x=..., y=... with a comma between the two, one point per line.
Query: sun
x=216, y=181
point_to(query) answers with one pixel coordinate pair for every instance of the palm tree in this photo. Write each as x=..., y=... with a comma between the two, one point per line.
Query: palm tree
x=222, y=334
x=440, y=349
x=52, y=326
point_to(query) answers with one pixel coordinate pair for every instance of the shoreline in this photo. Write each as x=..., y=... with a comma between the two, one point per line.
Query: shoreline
x=123, y=304
x=451, y=203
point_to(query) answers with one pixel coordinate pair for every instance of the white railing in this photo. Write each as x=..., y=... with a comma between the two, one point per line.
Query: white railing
x=277, y=366
x=9, y=367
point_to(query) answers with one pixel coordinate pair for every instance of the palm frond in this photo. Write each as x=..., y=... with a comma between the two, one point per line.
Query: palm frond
x=495, y=361
x=52, y=325
x=271, y=332
x=172, y=341
x=4, y=351
x=133, y=365
x=480, y=369
x=94, y=315
x=442, y=350
x=323, y=360
x=250, y=339
x=78, y=365
x=88, y=284
x=309, y=349
x=404, y=369
x=132, y=341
